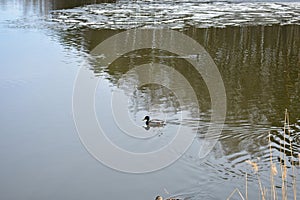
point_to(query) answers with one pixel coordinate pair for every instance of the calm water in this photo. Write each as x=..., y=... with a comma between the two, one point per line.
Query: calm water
x=256, y=47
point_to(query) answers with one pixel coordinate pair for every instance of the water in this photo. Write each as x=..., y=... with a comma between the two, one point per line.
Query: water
x=42, y=156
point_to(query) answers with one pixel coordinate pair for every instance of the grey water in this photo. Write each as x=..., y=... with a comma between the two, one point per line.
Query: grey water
x=254, y=44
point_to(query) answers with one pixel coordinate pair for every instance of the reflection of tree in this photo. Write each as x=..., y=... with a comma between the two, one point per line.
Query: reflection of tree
x=152, y=97
x=260, y=66
x=261, y=71
x=172, y=92
x=126, y=62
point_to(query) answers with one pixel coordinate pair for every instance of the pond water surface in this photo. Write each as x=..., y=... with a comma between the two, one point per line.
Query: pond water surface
x=255, y=46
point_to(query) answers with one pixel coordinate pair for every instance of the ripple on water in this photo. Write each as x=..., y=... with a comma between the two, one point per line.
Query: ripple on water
x=228, y=159
x=286, y=144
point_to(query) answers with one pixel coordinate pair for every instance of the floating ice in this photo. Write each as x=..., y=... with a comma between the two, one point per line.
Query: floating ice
x=126, y=14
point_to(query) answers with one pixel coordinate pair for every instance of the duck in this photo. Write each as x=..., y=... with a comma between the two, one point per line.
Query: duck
x=160, y=198
x=154, y=122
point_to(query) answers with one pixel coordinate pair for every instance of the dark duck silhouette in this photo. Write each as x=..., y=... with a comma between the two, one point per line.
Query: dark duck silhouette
x=154, y=122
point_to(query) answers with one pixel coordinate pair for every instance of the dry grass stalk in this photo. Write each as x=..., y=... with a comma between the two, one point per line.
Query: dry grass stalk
x=273, y=171
x=294, y=178
x=263, y=195
x=282, y=160
x=294, y=183
x=255, y=169
x=253, y=164
x=284, y=172
x=246, y=186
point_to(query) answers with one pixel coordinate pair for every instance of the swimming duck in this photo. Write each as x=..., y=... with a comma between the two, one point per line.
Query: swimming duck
x=160, y=198
x=154, y=122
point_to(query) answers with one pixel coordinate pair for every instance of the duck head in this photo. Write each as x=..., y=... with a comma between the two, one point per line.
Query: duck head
x=158, y=198
x=147, y=118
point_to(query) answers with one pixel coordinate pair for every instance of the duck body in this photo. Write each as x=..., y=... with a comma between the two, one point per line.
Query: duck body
x=154, y=122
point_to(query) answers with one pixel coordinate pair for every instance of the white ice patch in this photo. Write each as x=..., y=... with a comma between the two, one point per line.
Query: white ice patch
x=126, y=14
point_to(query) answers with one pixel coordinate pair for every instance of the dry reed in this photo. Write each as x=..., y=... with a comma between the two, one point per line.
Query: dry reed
x=273, y=169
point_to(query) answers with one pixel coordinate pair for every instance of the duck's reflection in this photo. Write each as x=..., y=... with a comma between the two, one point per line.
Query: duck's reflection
x=146, y=127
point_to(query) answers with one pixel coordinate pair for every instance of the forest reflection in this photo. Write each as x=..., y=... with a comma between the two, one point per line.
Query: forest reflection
x=259, y=66
x=260, y=69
